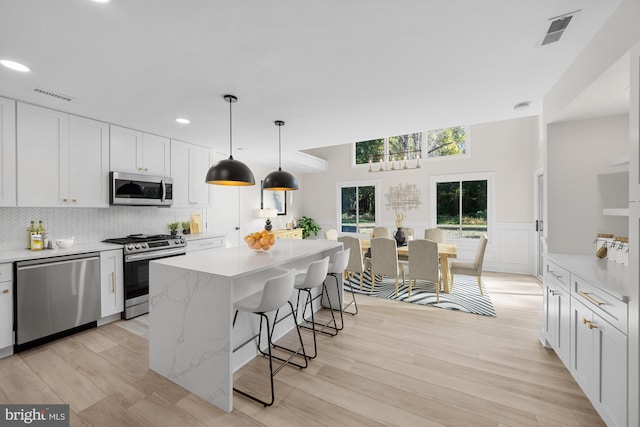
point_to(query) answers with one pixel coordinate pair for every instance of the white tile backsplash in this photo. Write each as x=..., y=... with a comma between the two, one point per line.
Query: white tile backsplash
x=87, y=224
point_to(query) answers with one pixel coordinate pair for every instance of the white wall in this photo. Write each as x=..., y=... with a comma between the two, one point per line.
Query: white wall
x=577, y=152
x=508, y=148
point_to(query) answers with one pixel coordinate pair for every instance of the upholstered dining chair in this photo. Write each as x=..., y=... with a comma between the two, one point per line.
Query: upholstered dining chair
x=380, y=232
x=356, y=263
x=331, y=234
x=435, y=234
x=384, y=260
x=471, y=268
x=424, y=263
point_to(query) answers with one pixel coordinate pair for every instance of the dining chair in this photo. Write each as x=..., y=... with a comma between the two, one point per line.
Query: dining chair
x=470, y=268
x=331, y=234
x=380, y=232
x=274, y=295
x=424, y=264
x=384, y=260
x=436, y=234
x=356, y=261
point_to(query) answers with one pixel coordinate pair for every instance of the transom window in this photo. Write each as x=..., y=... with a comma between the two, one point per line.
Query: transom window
x=432, y=143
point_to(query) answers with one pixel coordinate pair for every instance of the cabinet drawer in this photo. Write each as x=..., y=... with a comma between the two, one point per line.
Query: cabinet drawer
x=202, y=244
x=6, y=272
x=556, y=274
x=610, y=309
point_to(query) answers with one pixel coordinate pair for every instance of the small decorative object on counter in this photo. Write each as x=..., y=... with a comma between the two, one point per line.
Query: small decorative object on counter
x=196, y=223
x=31, y=230
x=173, y=227
x=260, y=240
x=621, y=246
x=603, y=241
x=186, y=227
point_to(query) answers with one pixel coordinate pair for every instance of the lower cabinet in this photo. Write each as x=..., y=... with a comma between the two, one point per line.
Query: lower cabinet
x=111, y=282
x=587, y=327
x=295, y=233
x=6, y=306
x=599, y=363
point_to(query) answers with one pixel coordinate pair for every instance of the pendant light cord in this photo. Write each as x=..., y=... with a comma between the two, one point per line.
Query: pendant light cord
x=279, y=147
x=230, y=131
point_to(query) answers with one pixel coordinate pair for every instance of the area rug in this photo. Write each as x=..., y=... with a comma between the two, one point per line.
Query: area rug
x=465, y=296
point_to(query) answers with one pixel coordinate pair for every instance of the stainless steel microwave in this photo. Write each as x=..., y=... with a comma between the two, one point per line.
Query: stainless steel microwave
x=140, y=190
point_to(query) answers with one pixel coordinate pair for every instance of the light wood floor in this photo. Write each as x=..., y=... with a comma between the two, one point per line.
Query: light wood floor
x=393, y=364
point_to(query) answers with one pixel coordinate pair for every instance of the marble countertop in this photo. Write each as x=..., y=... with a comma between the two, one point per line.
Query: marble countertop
x=240, y=260
x=612, y=278
x=78, y=248
x=200, y=236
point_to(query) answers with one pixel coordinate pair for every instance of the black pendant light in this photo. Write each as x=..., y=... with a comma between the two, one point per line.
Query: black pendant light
x=230, y=171
x=280, y=180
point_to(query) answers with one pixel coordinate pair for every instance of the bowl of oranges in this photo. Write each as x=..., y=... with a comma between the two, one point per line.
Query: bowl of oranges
x=260, y=240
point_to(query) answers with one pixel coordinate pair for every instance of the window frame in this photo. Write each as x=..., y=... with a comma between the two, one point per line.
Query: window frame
x=477, y=176
x=376, y=183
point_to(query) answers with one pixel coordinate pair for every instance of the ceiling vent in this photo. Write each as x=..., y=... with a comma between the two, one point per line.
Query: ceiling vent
x=557, y=27
x=54, y=95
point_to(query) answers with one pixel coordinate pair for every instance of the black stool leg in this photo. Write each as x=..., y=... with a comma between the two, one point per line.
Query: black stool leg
x=353, y=298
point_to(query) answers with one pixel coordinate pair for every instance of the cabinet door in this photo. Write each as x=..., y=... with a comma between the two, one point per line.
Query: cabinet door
x=43, y=137
x=583, y=348
x=6, y=305
x=7, y=152
x=156, y=153
x=89, y=162
x=125, y=150
x=199, y=166
x=111, y=282
x=612, y=364
x=180, y=160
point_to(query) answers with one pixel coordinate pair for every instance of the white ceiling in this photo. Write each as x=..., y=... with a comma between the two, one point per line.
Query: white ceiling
x=335, y=71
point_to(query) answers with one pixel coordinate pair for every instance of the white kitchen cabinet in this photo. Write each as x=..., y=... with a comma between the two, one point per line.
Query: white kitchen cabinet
x=62, y=159
x=7, y=152
x=138, y=152
x=6, y=306
x=111, y=282
x=557, y=316
x=599, y=363
x=189, y=166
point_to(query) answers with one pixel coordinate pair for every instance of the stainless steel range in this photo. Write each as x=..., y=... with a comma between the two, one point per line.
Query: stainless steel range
x=139, y=249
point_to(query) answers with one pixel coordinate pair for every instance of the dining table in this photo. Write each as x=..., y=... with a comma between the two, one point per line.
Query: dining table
x=445, y=251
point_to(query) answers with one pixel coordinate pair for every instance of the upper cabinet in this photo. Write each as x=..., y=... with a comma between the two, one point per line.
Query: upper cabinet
x=63, y=160
x=189, y=166
x=138, y=152
x=7, y=152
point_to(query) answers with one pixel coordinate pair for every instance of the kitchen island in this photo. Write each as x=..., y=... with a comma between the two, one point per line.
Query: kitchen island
x=191, y=338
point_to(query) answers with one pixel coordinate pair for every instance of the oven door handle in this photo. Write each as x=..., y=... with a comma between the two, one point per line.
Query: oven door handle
x=147, y=255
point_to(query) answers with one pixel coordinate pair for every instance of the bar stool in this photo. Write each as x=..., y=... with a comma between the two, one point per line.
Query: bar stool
x=313, y=278
x=275, y=294
x=336, y=270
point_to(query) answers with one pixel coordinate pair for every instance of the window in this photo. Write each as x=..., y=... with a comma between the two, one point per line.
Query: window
x=446, y=142
x=357, y=207
x=462, y=204
x=439, y=143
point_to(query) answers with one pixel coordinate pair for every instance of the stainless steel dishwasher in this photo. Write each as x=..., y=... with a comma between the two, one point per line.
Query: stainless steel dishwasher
x=56, y=296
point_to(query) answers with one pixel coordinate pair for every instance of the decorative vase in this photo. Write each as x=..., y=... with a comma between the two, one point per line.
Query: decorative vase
x=174, y=232
x=268, y=226
x=400, y=237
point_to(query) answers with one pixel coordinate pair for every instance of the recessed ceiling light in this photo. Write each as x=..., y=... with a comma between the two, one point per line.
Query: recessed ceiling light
x=16, y=66
x=182, y=120
x=522, y=105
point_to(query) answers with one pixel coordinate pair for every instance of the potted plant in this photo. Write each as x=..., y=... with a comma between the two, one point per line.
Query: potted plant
x=186, y=227
x=308, y=225
x=173, y=226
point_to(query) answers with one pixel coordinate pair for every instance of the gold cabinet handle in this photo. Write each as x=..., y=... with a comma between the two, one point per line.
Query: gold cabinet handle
x=5, y=291
x=113, y=282
x=74, y=200
x=589, y=324
x=590, y=298
x=65, y=200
